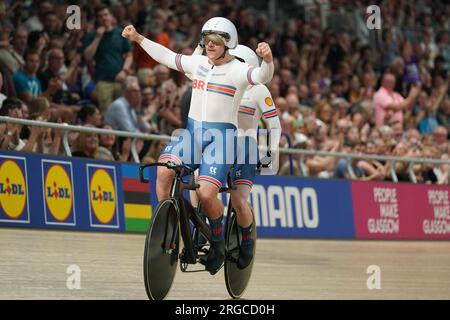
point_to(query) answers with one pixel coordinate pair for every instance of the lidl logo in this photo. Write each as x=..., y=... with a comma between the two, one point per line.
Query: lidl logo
x=13, y=190
x=58, y=192
x=102, y=196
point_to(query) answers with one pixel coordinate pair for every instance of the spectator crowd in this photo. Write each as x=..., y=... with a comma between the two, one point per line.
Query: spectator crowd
x=335, y=90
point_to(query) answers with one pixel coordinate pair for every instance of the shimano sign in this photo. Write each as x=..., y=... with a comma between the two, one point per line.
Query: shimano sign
x=291, y=207
x=288, y=206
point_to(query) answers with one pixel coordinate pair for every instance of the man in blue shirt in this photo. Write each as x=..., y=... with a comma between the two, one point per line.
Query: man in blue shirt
x=112, y=55
x=26, y=82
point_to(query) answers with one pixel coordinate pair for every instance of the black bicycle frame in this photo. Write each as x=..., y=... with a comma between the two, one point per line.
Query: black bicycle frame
x=184, y=211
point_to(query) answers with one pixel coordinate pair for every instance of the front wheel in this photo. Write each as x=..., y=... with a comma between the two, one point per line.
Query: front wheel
x=236, y=279
x=161, y=253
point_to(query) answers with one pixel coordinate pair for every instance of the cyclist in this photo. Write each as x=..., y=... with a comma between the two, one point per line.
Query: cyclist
x=256, y=105
x=219, y=83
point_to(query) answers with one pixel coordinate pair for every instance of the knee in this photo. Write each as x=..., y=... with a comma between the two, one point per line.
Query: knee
x=239, y=202
x=165, y=176
x=206, y=196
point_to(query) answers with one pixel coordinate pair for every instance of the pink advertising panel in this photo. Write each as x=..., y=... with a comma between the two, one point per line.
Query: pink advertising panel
x=401, y=211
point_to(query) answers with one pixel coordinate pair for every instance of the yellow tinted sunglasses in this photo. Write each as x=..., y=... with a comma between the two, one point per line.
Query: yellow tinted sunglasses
x=215, y=38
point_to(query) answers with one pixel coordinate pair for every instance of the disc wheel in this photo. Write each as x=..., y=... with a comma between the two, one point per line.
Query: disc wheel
x=160, y=256
x=236, y=279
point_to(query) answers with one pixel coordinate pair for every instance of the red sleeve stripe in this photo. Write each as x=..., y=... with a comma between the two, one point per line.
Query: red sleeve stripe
x=178, y=62
x=249, y=76
x=270, y=114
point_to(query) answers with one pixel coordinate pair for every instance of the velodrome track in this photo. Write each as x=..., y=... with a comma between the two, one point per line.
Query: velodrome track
x=33, y=265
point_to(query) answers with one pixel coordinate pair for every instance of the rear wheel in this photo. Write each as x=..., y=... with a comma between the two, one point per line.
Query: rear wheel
x=160, y=255
x=236, y=279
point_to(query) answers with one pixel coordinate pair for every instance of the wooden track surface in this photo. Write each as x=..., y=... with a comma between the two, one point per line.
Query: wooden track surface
x=33, y=265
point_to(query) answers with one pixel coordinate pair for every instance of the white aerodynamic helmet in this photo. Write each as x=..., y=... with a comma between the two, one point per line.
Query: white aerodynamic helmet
x=224, y=28
x=247, y=54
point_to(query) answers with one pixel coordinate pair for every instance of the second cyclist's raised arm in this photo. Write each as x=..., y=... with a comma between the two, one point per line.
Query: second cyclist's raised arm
x=160, y=53
x=258, y=75
x=261, y=75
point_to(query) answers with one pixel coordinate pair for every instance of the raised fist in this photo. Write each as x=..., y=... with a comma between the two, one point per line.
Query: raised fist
x=264, y=51
x=130, y=33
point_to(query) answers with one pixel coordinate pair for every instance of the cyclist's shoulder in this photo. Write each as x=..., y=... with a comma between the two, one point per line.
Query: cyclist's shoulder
x=260, y=91
x=196, y=59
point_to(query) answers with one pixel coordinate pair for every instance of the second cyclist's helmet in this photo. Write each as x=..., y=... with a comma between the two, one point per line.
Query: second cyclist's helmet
x=246, y=54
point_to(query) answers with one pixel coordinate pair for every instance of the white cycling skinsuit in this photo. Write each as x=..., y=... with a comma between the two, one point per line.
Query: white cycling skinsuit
x=215, y=102
x=256, y=104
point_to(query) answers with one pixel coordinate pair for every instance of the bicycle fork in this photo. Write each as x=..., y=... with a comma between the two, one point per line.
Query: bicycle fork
x=172, y=244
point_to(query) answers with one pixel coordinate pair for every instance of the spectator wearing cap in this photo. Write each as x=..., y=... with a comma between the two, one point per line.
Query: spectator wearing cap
x=112, y=55
x=390, y=105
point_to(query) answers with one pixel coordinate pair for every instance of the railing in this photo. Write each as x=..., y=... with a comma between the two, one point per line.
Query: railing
x=302, y=152
x=70, y=128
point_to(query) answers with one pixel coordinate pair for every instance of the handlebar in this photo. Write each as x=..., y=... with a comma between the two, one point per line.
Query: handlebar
x=265, y=162
x=178, y=168
x=263, y=165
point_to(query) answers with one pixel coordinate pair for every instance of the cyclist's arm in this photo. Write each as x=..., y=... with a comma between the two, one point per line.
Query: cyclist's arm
x=163, y=55
x=269, y=115
x=261, y=75
x=197, y=52
x=246, y=74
